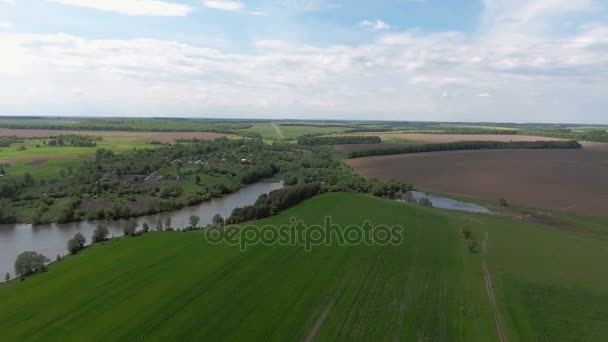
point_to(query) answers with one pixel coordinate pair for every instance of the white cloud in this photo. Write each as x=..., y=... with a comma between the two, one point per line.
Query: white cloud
x=259, y=13
x=377, y=25
x=6, y=25
x=10, y=2
x=541, y=77
x=131, y=7
x=224, y=5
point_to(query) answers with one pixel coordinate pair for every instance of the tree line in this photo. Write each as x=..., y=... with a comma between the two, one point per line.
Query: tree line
x=466, y=145
x=338, y=140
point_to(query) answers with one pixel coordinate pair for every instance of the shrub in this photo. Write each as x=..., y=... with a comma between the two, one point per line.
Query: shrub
x=101, y=233
x=76, y=244
x=29, y=263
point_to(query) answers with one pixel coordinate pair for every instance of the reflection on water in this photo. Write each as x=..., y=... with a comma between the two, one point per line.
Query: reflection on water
x=448, y=203
x=51, y=239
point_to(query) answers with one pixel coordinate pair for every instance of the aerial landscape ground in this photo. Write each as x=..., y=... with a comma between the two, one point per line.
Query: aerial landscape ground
x=304, y=170
x=455, y=276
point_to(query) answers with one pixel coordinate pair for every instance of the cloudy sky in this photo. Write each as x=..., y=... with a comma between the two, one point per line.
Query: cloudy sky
x=457, y=60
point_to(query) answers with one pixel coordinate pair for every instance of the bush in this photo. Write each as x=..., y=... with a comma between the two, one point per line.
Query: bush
x=101, y=233
x=76, y=244
x=473, y=246
x=194, y=221
x=130, y=228
x=29, y=263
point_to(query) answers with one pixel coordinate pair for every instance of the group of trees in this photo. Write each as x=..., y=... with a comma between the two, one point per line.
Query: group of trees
x=29, y=262
x=76, y=244
x=272, y=203
x=75, y=140
x=339, y=140
x=7, y=141
x=467, y=145
x=171, y=177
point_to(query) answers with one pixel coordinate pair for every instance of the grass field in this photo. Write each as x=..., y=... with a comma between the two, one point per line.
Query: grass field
x=176, y=286
x=266, y=130
x=45, y=161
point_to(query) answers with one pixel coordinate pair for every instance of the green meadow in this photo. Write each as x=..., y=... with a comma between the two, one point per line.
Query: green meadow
x=45, y=161
x=549, y=284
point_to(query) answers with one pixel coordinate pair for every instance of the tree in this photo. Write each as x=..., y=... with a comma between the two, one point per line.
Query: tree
x=217, y=219
x=101, y=233
x=198, y=180
x=7, y=277
x=473, y=246
x=159, y=226
x=29, y=263
x=503, y=202
x=146, y=227
x=467, y=233
x=28, y=179
x=76, y=244
x=168, y=222
x=194, y=220
x=130, y=228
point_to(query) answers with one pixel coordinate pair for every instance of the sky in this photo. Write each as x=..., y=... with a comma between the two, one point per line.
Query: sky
x=409, y=60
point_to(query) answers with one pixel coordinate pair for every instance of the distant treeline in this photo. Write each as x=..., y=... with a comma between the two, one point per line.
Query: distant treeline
x=596, y=135
x=341, y=140
x=8, y=141
x=76, y=140
x=467, y=145
x=150, y=124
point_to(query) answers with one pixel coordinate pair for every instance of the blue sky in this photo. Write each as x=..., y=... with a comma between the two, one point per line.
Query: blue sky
x=484, y=60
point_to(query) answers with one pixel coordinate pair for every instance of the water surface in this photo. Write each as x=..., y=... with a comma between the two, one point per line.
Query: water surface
x=51, y=239
x=449, y=204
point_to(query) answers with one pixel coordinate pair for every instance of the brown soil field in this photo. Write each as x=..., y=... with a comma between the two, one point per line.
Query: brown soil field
x=113, y=135
x=447, y=138
x=566, y=180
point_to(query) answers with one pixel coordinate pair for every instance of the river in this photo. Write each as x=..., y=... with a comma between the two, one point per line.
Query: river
x=51, y=239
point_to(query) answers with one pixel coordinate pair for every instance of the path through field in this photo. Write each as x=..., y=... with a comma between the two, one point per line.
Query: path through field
x=276, y=128
x=501, y=334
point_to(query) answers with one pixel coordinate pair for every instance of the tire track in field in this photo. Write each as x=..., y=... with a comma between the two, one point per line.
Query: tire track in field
x=317, y=326
x=278, y=130
x=293, y=302
x=486, y=274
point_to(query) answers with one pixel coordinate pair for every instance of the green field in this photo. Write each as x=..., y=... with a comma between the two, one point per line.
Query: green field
x=44, y=162
x=549, y=284
x=293, y=132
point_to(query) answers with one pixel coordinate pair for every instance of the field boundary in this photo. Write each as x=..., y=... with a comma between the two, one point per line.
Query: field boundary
x=486, y=274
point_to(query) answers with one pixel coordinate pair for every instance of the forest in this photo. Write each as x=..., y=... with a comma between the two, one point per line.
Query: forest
x=169, y=177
